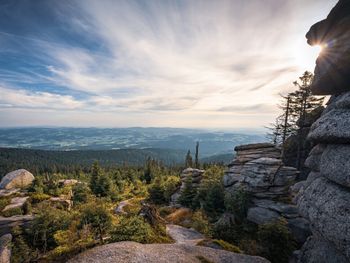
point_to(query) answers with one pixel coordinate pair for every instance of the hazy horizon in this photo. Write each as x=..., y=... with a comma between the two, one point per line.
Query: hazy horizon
x=179, y=64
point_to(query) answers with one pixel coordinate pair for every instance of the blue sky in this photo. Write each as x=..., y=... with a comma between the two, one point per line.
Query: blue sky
x=191, y=63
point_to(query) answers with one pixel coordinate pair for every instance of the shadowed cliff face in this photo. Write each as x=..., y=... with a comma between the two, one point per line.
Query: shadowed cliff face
x=333, y=64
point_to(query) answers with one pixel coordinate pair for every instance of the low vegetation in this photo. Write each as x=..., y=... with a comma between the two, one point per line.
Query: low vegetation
x=58, y=231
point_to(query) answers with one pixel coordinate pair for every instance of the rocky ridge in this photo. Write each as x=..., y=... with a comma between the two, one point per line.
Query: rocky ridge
x=324, y=198
x=258, y=170
x=160, y=253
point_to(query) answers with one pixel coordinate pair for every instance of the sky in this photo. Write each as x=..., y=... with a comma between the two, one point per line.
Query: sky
x=122, y=63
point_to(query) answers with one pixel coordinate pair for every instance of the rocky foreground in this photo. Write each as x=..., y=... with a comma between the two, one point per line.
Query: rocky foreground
x=127, y=252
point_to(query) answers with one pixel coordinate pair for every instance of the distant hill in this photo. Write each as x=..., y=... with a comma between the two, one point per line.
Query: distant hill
x=49, y=161
x=219, y=158
x=211, y=142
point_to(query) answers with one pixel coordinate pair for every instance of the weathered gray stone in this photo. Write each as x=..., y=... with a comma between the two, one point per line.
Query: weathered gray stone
x=332, y=66
x=327, y=206
x=300, y=229
x=5, y=248
x=127, y=251
x=332, y=127
x=230, y=179
x=17, y=179
x=317, y=250
x=343, y=101
x=314, y=159
x=68, y=182
x=285, y=176
x=260, y=215
x=335, y=164
x=276, y=206
x=7, y=223
x=254, y=146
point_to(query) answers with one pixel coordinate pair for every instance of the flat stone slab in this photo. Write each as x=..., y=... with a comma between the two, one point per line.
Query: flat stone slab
x=126, y=252
x=183, y=235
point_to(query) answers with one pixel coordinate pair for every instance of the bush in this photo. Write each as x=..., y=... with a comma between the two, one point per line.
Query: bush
x=20, y=251
x=179, y=216
x=201, y=223
x=13, y=212
x=227, y=246
x=171, y=185
x=250, y=246
x=156, y=192
x=39, y=197
x=44, y=226
x=187, y=194
x=133, y=228
x=276, y=241
x=4, y=201
x=237, y=203
x=81, y=193
x=164, y=211
x=98, y=218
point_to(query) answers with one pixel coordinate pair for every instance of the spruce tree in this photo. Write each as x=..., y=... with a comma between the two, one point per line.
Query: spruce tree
x=95, y=176
x=295, y=106
x=188, y=193
x=188, y=160
x=196, y=161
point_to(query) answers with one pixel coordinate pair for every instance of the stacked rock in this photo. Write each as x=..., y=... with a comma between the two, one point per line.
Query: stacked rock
x=324, y=198
x=258, y=170
x=196, y=175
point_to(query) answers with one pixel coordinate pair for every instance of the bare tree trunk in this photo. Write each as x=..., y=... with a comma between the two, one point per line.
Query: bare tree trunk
x=285, y=126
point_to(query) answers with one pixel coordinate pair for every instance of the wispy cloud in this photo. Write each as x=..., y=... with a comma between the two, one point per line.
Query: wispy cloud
x=180, y=58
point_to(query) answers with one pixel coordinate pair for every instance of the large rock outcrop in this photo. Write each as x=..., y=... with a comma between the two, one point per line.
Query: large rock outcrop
x=324, y=198
x=333, y=66
x=258, y=170
x=17, y=179
x=125, y=252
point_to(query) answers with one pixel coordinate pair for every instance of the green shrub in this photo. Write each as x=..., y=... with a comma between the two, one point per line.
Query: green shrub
x=133, y=228
x=171, y=184
x=39, y=197
x=276, y=241
x=227, y=246
x=97, y=217
x=188, y=193
x=201, y=223
x=4, y=201
x=166, y=210
x=20, y=250
x=44, y=226
x=81, y=193
x=156, y=191
x=13, y=212
x=237, y=203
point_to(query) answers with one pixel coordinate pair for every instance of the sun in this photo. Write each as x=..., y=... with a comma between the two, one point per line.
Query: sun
x=305, y=56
